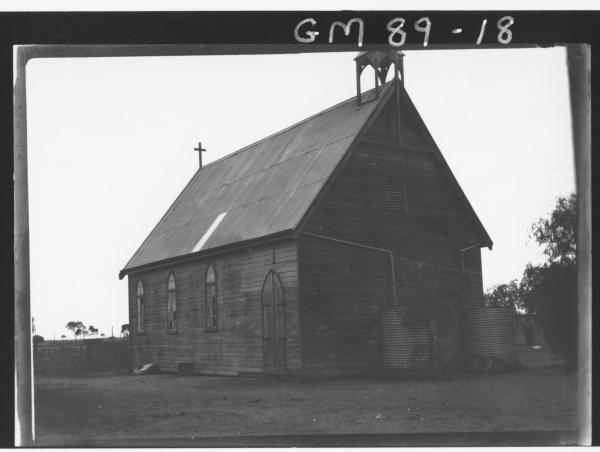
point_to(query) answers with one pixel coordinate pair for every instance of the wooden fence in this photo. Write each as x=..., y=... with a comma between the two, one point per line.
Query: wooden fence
x=67, y=357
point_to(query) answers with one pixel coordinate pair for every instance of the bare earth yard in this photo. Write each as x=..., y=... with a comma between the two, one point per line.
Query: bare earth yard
x=93, y=409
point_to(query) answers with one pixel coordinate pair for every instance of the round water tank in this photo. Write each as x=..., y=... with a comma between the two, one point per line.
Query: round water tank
x=405, y=342
x=490, y=332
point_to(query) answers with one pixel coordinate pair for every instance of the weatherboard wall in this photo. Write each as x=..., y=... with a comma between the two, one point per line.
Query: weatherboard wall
x=237, y=345
x=435, y=225
x=343, y=290
x=430, y=232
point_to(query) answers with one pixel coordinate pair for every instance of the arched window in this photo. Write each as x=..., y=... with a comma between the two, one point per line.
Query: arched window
x=211, y=299
x=171, y=304
x=140, y=306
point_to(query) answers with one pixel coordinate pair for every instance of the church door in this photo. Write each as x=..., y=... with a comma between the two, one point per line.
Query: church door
x=273, y=314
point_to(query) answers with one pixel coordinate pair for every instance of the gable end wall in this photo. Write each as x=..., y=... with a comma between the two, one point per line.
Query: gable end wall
x=433, y=229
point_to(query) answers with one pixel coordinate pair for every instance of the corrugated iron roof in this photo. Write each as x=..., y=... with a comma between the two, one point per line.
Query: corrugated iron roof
x=260, y=190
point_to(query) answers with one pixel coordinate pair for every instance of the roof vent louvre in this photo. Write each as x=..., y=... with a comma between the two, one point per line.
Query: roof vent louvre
x=395, y=196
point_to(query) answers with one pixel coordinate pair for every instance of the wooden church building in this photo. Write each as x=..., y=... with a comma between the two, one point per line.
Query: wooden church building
x=284, y=256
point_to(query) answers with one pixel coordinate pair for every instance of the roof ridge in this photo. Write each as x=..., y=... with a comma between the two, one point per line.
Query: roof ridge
x=273, y=135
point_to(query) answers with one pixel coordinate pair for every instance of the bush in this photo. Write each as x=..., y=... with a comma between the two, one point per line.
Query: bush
x=504, y=296
x=37, y=339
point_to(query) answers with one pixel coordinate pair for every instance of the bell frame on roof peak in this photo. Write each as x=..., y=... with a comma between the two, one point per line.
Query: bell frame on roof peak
x=380, y=61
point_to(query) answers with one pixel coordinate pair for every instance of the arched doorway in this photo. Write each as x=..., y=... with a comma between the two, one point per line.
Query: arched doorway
x=274, y=330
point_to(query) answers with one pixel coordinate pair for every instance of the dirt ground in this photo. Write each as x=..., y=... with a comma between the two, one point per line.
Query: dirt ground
x=540, y=396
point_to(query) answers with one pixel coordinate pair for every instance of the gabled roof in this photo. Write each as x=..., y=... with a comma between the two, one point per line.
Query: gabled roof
x=267, y=188
x=260, y=190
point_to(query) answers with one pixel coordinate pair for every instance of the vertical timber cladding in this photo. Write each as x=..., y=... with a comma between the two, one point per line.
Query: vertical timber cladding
x=237, y=344
x=344, y=290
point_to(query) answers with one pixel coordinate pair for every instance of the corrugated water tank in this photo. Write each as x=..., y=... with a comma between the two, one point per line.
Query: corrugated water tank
x=490, y=332
x=405, y=342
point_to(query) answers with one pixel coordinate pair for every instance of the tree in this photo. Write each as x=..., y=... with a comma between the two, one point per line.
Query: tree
x=125, y=330
x=77, y=327
x=101, y=334
x=558, y=233
x=63, y=336
x=505, y=296
x=93, y=330
x=550, y=290
x=37, y=339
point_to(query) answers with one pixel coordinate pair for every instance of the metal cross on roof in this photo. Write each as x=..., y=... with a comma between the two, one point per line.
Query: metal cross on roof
x=200, y=151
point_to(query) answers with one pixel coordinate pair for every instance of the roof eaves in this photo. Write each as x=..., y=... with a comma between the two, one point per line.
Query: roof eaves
x=281, y=235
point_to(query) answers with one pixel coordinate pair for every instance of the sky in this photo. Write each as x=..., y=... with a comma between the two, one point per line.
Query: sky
x=110, y=146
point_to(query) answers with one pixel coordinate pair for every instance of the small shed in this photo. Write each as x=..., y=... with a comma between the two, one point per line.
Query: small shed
x=282, y=257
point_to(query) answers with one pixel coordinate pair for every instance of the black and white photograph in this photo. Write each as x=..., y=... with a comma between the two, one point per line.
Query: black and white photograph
x=265, y=246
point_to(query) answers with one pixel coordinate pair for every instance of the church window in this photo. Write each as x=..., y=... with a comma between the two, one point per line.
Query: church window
x=140, y=306
x=211, y=299
x=171, y=304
